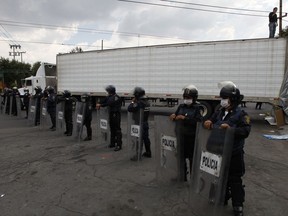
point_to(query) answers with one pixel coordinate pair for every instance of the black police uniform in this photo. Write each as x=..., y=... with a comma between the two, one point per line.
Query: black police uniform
x=88, y=119
x=37, y=96
x=135, y=108
x=51, y=108
x=68, y=112
x=238, y=119
x=114, y=103
x=26, y=98
x=186, y=130
x=15, y=93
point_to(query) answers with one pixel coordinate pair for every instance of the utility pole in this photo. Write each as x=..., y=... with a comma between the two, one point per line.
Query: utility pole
x=14, y=53
x=280, y=18
x=21, y=56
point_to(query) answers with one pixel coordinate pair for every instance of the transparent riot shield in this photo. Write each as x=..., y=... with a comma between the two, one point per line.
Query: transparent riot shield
x=79, y=120
x=212, y=154
x=10, y=101
x=134, y=134
x=32, y=112
x=7, y=105
x=60, y=119
x=18, y=106
x=1, y=104
x=103, y=127
x=167, y=150
x=44, y=115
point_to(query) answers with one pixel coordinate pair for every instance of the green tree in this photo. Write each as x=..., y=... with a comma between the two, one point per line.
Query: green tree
x=35, y=67
x=13, y=71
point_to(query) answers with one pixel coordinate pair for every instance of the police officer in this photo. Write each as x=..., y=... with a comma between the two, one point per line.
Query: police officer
x=15, y=93
x=37, y=96
x=140, y=101
x=69, y=102
x=187, y=114
x=51, y=105
x=230, y=115
x=86, y=98
x=114, y=102
x=26, y=98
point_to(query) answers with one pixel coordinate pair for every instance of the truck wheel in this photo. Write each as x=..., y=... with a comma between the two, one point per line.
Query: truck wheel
x=207, y=109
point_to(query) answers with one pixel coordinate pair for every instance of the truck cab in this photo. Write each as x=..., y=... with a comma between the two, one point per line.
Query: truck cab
x=45, y=76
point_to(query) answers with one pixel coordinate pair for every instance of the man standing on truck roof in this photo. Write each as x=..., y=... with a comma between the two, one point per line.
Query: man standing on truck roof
x=273, y=22
x=114, y=102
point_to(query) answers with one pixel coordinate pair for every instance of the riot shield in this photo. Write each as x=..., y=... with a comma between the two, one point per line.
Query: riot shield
x=7, y=105
x=18, y=106
x=1, y=104
x=60, y=120
x=10, y=101
x=134, y=134
x=44, y=116
x=212, y=154
x=103, y=127
x=167, y=150
x=79, y=120
x=32, y=112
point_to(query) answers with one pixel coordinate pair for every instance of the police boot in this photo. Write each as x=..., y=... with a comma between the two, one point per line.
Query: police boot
x=227, y=196
x=87, y=138
x=147, y=154
x=117, y=148
x=238, y=210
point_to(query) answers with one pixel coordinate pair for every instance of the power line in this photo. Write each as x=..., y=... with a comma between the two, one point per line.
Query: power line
x=5, y=34
x=89, y=30
x=53, y=43
x=190, y=8
x=42, y=42
x=213, y=6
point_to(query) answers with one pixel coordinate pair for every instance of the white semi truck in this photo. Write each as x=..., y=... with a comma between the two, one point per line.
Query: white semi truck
x=45, y=76
x=257, y=66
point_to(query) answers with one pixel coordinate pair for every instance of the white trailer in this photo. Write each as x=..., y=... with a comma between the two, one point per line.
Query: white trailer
x=256, y=66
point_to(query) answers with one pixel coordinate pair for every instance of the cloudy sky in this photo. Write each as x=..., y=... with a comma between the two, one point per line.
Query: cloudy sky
x=45, y=28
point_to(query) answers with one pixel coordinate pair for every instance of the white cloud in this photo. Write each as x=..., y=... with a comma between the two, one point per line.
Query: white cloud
x=112, y=19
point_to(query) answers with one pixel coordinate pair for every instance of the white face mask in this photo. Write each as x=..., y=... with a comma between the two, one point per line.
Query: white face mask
x=224, y=103
x=188, y=101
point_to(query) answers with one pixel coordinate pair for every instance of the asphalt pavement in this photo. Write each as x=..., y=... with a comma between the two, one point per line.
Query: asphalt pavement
x=45, y=173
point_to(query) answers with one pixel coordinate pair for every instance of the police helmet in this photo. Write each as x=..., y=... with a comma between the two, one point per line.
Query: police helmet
x=66, y=93
x=138, y=92
x=231, y=92
x=50, y=89
x=14, y=88
x=85, y=97
x=190, y=91
x=38, y=89
x=110, y=89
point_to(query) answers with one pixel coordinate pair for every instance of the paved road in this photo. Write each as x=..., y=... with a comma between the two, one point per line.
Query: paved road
x=43, y=173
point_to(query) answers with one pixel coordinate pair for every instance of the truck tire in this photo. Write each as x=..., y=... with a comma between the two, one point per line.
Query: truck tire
x=207, y=109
